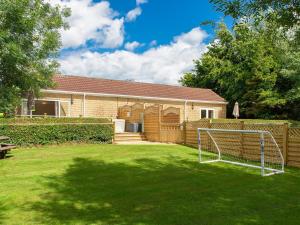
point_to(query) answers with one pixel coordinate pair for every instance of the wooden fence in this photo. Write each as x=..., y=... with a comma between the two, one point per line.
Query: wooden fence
x=288, y=139
x=152, y=116
x=293, y=147
x=162, y=125
x=171, y=133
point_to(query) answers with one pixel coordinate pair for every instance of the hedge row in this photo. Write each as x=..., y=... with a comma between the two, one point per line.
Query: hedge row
x=48, y=120
x=28, y=135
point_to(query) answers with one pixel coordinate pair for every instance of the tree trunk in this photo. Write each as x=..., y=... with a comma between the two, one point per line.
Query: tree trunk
x=30, y=101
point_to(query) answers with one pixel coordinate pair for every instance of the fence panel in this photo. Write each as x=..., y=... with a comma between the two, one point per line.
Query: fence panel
x=190, y=135
x=136, y=113
x=152, y=123
x=293, y=155
x=288, y=139
x=170, y=115
x=124, y=112
x=171, y=133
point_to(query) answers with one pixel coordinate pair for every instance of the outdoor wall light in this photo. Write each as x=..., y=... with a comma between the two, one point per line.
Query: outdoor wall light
x=72, y=100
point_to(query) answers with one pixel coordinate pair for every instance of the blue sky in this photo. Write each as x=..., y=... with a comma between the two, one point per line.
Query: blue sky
x=163, y=19
x=143, y=40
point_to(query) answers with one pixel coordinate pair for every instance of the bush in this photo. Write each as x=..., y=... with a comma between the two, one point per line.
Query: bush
x=28, y=135
x=51, y=120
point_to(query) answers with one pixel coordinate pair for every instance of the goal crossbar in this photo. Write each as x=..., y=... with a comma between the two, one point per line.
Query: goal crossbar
x=274, y=164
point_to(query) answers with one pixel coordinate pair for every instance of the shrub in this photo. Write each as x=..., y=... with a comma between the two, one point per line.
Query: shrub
x=41, y=134
x=51, y=120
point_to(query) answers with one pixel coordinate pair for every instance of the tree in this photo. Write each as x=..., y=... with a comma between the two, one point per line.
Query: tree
x=249, y=65
x=8, y=99
x=285, y=12
x=29, y=43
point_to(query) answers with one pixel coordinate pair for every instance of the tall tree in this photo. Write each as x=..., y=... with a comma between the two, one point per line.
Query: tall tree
x=285, y=12
x=249, y=65
x=29, y=43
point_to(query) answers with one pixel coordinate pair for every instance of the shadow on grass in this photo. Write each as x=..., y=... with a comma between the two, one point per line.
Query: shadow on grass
x=181, y=192
x=3, y=209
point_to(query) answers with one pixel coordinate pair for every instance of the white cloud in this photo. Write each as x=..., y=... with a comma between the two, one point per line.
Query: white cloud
x=139, y=2
x=161, y=64
x=131, y=46
x=133, y=14
x=92, y=21
x=112, y=36
x=192, y=37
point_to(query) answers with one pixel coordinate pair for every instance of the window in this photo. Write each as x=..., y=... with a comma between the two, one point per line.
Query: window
x=54, y=108
x=207, y=113
x=203, y=113
x=211, y=114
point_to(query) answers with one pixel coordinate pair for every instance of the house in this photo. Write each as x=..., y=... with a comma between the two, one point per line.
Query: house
x=76, y=96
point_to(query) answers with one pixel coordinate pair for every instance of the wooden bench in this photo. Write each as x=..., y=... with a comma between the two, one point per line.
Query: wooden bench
x=4, y=148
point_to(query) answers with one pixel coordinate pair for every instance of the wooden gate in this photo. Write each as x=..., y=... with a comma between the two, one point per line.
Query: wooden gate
x=152, y=123
x=170, y=127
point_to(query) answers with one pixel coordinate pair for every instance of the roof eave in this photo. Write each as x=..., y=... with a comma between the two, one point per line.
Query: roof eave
x=131, y=96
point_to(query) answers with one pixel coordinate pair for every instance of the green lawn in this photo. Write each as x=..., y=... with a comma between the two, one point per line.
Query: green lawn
x=155, y=184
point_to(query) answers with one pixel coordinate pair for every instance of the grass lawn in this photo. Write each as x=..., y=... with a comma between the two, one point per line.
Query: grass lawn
x=155, y=184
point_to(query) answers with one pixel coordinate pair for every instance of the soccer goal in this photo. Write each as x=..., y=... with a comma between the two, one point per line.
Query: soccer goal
x=250, y=148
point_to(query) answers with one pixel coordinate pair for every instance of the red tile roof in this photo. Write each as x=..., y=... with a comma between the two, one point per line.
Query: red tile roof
x=118, y=87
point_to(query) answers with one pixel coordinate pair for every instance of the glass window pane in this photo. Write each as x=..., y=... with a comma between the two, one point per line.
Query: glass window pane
x=211, y=114
x=203, y=114
x=42, y=108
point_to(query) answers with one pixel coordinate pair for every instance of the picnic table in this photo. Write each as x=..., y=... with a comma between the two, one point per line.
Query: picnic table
x=4, y=147
x=4, y=138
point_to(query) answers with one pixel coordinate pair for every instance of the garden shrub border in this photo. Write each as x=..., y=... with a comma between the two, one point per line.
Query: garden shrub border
x=42, y=134
x=53, y=120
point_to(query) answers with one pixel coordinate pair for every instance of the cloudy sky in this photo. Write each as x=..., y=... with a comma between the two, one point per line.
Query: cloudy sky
x=143, y=40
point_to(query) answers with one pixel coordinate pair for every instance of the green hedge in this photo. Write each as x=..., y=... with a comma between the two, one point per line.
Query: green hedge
x=28, y=135
x=48, y=120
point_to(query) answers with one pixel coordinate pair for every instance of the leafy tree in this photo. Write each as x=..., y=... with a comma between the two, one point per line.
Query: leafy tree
x=285, y=12
x=8, y=99
x=249, y=65
x=29, y=43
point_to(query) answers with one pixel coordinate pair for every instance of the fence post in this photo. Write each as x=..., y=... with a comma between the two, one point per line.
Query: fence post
x=262, y=153
x=242, y=127
x=114, y=131
x=285, y=142
x=184, y=132
x=209, y=125
x=160, y=108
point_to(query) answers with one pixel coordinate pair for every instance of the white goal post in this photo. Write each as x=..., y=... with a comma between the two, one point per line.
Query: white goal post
x=250, y=148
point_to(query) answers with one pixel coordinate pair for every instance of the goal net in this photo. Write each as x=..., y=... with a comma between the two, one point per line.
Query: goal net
x=251, y=148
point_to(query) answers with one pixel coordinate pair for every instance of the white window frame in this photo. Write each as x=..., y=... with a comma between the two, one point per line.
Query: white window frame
x=57, y=106
x=208, y=109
